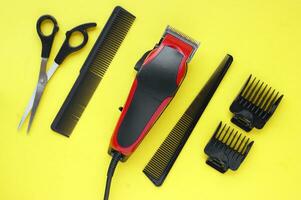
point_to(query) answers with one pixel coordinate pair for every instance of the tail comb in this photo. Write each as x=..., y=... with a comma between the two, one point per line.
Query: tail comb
x=227, y=149
x=254, y=105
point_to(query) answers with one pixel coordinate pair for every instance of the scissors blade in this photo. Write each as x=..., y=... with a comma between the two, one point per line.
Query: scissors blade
x=39, y=91
x=50, y=72
x=38, y=95
x=28, y=109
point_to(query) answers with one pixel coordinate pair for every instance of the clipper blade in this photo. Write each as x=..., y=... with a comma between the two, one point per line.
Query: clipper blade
x=254, y=105
x=227, y=149
x=181, y=36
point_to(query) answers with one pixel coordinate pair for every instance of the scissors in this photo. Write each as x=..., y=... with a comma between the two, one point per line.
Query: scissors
x=65, y=50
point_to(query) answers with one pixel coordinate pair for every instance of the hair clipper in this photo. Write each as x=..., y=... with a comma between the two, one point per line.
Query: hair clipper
x=160, y=72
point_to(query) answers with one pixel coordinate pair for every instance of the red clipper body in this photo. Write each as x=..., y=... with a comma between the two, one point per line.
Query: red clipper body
x=160, y=73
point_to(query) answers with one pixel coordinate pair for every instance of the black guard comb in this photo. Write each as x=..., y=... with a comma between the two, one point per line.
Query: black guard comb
x=160, y=164
x=226, y=149
x=254, y=105
x=93, y=70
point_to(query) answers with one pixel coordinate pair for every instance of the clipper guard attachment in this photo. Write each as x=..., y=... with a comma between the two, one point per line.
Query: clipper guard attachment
x=254, y=105
x=227, y=149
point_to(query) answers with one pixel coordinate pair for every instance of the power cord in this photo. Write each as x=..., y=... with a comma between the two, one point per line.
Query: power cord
x=115, y=159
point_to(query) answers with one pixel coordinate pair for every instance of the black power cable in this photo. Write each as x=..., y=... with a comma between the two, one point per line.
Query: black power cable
x=115, y=159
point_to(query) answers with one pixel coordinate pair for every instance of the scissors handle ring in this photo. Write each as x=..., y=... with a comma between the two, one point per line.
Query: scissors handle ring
x=79, y=46
x=66, y=48
x=47, y=40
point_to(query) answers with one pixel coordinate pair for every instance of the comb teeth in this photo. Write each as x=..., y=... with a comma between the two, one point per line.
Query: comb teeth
x=93, y=70
x=227, y=149
x=231, y=138
x=255, y=104
x=187, y=39
x=161, y=163
x=111, y=43
x=255, y=97
x=158, y=165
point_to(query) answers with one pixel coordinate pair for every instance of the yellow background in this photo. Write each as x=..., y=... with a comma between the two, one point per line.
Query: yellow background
x=263, y=37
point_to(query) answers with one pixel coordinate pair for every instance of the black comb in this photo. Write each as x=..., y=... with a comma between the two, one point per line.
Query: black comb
x=159, y=166
x=93, y=70
x=227, y=149
x=254, y=105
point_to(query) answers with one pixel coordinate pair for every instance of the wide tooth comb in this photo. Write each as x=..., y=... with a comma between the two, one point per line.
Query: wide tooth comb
x=93, y=70
x=254, y=105
x=224, y=155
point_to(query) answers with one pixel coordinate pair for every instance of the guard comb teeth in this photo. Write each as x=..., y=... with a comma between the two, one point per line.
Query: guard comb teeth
x=254, y=105
x=227, y=149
